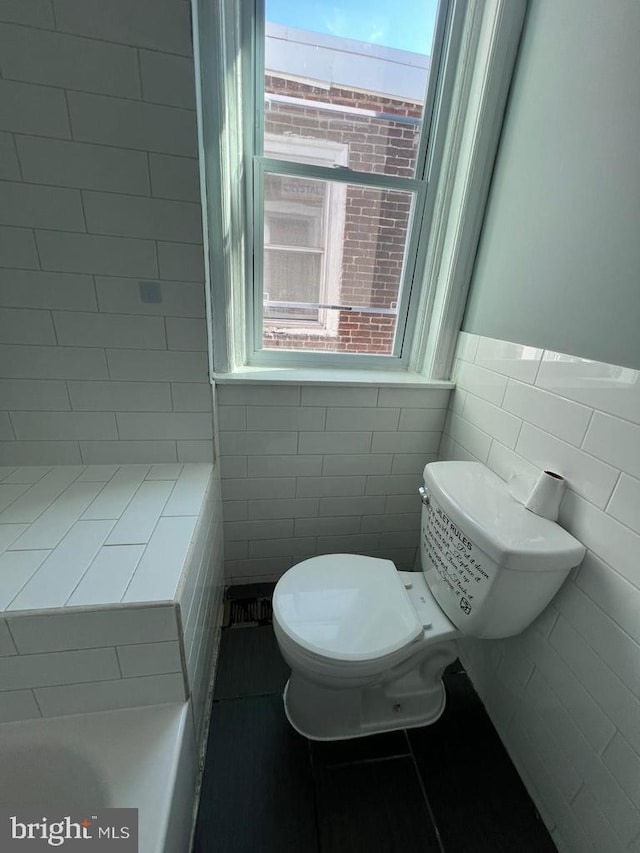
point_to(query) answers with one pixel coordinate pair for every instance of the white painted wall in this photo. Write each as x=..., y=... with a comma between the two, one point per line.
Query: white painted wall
x=559, y=260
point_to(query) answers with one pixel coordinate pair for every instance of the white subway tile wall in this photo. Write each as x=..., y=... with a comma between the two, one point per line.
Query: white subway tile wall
x=308, y=470
x=101, y=261
x=111, y=595
x=565, y=695
x=200, y=598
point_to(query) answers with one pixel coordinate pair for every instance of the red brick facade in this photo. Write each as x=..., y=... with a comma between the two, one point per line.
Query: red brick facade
x=376, y=220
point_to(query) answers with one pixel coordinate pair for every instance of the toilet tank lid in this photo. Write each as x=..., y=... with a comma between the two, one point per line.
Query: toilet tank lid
x=478, y=502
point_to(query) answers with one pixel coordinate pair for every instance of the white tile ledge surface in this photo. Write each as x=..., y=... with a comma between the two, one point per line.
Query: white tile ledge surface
x=64, y=552
x=328, y=376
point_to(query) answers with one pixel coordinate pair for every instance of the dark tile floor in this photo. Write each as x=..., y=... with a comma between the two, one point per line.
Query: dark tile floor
x=445, y=788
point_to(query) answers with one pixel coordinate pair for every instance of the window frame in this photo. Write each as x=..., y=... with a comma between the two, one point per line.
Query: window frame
x=446, y=41
x=466, y=143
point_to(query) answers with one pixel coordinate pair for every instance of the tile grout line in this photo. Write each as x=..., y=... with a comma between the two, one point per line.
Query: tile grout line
x=102, y=274
x=17, y=153
x=115, y=649
x=8, y=624
x=45, y=136
x=107, y=235
x=82, y=188
x=108, y=192
x=588, y=427
x=535, y=378
x=93, y=94
x=424, y=792
x=35, y=699
x=37, y=248
x=616, y=732
x=610, y=498
x=59, y=31
x=71, y=137
x=139, y=70
x=316, y=809
x=13, y=429
x=379, y=760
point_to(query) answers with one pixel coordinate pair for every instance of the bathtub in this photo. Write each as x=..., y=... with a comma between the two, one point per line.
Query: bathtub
x=142, y=758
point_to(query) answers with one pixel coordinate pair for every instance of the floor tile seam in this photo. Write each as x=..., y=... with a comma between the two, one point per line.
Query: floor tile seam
x=378, y=760
x=432, y=816
x=277, y=692
x=314, y=787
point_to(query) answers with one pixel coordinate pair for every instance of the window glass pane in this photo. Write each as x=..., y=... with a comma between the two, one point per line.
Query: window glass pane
x=291, y=277
x=341, y=294
x=294, y=211
x=355, y=75
x=282, y=229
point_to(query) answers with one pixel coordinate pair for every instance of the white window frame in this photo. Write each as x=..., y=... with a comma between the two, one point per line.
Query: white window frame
x=472, y=100
x=446, y=39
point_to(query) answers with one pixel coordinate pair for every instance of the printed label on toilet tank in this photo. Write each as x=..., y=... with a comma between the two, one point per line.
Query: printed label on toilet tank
x=455, y=559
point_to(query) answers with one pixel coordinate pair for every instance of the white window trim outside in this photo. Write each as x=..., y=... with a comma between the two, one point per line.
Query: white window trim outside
x=490, y=36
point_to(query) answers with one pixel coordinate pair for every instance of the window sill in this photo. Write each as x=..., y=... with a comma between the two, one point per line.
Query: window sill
x=327, y=376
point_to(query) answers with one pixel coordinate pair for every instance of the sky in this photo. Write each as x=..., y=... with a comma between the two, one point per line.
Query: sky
x=403, y=24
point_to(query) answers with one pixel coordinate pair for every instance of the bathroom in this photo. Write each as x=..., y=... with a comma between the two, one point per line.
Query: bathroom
x=196, y=477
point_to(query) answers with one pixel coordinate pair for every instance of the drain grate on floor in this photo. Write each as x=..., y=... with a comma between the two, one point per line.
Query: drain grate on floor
x=242, y=612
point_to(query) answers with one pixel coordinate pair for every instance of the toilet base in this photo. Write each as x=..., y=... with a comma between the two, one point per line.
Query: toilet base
x=323, y=713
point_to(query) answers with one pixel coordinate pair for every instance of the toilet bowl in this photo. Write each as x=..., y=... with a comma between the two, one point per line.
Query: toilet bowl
x=368, y=644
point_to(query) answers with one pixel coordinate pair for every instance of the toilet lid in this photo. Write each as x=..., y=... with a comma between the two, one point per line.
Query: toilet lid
x=346, y=607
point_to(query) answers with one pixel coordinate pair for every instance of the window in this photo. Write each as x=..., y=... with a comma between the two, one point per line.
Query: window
x=339, y=164
x=345, y=183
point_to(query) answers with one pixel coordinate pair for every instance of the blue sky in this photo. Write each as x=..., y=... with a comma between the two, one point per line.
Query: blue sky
x=403, y=24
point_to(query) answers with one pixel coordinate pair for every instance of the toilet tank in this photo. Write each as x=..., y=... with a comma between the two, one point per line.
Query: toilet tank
x=491, y=564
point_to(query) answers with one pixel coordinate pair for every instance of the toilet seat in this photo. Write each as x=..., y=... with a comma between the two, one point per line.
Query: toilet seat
x=345, y=611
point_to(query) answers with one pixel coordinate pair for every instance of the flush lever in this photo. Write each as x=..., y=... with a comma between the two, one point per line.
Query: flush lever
x=424, y=495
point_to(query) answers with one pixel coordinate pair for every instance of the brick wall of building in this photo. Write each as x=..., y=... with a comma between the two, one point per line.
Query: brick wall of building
x=376, y=220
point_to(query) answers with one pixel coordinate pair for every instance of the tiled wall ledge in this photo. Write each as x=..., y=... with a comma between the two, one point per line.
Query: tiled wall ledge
x=100, y=566
x=316, y=469
x=565, y=695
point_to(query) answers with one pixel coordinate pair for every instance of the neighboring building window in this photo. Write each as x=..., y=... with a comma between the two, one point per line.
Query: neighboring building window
x=303, y=240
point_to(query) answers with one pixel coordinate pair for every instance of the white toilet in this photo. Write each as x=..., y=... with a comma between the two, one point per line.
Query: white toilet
x=367, y=644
